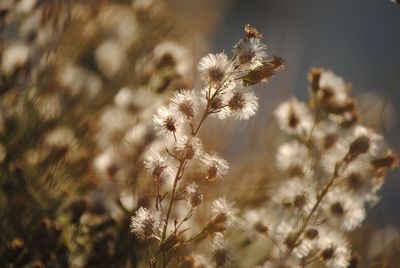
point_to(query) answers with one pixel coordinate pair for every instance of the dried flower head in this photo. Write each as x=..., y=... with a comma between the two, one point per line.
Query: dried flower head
x=166, y=121
x=361, y=180
x=332, y=85
x=186, y=102
x=193, y=195
x=293, y=159
x=249, y=53
x=294, y=117
x=221, y=252
x=215, y=68
x=224, y=212
x=364, y=141
x=188, y=147
x=333, y=249
x=243, y=104
x=286, y=234
x=158, y=166
x=296, y=195
x=146, y=225
x=215, y=166
x=173, y=55
x=343, y=210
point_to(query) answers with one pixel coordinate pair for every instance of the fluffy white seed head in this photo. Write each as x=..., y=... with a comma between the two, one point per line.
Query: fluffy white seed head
x=215, y=166
x=334, y=249
x=193, y=196
x=293, y=159
x=249, y=53
x=158, y=166
x=343, y=210
x=186, y=102
x=188, y=147
x=294, y=117
x=242, y=103
x=336, y=86
x=296, y=195
x=224, y=211
x=215, y=68
x=220, y=251
x=145, y=224
x=167, y=121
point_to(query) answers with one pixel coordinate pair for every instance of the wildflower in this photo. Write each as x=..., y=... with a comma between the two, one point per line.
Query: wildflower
x=249, y=53
x=261, y=221
x=364, y=141
x=292, y=158
x=356, y=142
x=215, y=69
x=158, y=166
x=334, y=249
x=215, y=166
x=188, y=147
x=361, y=180
x=343, y=210
x=145, y=224
x=296, y=195
x=332, y=85
x=186, y=102
x=194, y=197
x=294, y=117
x=172, y=54
x=326, y=135
x=166, y=121
x=221, y=252
x=332, y=92
x=243, y=104
x=224, y=214
x=286, y=235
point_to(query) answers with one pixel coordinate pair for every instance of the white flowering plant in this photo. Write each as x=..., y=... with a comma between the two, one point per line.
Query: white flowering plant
x=332, y=165
x=227, y=93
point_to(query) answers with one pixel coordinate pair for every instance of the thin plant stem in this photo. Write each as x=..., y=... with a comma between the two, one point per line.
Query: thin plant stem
x=172, y=198
x=320, y=197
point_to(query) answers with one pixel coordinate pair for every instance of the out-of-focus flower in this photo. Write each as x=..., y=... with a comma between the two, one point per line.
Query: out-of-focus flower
x=293, y=159
x=221, y=252
x=343, y=210
x=224, y=212
x=194, y=197
x=334, y=249
x=215, y=166
x=294, y=117
x=14, y=56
